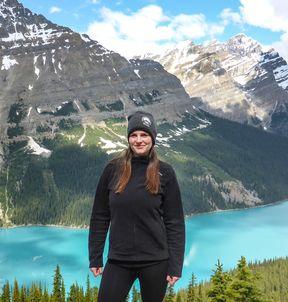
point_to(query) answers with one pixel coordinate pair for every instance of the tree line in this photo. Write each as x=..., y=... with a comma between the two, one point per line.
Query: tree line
x=60, y=189
x=257, y=282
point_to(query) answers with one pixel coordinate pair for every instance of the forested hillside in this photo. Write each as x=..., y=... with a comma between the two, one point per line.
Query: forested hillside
x=221, y=165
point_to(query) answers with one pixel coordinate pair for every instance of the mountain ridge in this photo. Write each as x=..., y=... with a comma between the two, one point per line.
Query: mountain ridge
x=237, y=80
x=48, y=67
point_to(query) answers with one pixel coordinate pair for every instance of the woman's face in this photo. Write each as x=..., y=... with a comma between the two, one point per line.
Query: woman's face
x=140, y=142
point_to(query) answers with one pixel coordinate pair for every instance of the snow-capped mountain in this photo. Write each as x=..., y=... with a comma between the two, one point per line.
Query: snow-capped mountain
x=238, y=80
x=49, y=72
x=63, y=105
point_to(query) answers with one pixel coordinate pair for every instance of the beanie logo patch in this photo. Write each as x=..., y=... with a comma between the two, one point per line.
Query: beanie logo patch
x=146, y=121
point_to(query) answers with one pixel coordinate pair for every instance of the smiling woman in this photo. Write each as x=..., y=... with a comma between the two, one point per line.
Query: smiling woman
x=140, y=142
x=138, y=197
x=141, y=135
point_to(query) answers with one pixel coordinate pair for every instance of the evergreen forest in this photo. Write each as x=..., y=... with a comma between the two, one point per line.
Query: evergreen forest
x=258, y=282
x=222, y=166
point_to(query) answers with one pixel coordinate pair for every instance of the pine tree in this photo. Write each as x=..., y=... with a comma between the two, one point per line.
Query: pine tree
x=243, y=287
x=34, y=294
x=72, y=296
x=6, y=295
x=219, y=280
x=191, y=295
x=16, y=292
x=80, y=296
x=62, y=291
x=58, y=292
x=95, y=293
x=23, y=294
x=88, y=293
x=200, y=294
x=76, y=294
x=45, y=296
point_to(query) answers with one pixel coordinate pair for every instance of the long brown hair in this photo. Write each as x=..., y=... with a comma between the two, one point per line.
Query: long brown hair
x=152, y=182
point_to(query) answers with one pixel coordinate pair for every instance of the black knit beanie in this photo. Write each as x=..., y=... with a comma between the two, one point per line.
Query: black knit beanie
x=141, y=120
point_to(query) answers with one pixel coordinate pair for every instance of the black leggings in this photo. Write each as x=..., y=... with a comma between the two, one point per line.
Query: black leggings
x=117, y=281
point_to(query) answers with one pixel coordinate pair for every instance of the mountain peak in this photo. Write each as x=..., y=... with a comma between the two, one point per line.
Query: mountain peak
x=243, y=45
x=184, y=45
x=238, y=80
x=21, y=29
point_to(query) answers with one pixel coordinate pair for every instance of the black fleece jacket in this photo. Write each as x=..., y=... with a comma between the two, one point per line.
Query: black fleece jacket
x=143, y=226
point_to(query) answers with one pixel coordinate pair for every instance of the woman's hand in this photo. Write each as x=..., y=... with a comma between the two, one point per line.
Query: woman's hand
x=96, y=271
x=172, y=280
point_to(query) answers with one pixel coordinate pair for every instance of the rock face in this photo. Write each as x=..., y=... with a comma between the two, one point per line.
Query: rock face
x=48, y=72
x=237, y=80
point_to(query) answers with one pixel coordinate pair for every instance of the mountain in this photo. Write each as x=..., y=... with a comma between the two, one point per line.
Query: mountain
x=49, y=72
x=237, y=80
x=64, y=101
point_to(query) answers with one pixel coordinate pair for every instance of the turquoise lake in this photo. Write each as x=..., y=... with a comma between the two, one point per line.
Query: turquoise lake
x=31, y=253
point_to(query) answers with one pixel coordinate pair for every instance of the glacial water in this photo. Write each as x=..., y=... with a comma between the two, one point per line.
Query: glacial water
x=31, y=253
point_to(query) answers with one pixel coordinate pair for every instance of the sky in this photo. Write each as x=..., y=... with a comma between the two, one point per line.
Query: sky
x=135, y=27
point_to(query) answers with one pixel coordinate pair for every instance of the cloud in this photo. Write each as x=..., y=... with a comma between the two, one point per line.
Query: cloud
x=148, y=30
x=95, y=1
x=55, y=9
x=268, y=14
x=227, y=15
x=281, y=46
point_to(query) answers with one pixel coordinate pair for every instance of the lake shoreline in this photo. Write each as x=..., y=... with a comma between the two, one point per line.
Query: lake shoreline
x=186, y=217
x=238, y=209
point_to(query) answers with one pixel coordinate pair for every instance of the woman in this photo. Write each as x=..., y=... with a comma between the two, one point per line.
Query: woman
x=138, y=197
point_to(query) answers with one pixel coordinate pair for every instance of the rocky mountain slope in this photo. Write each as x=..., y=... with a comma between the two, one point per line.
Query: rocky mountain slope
x=237, y=80
x=48, y=72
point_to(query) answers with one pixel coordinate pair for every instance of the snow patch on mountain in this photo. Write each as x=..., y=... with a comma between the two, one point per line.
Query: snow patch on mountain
x=281, y=76
x=175, y=134
x=7, y=63
x=85, y=38
x=80, y=141
x=29, y=111
x=136, y=71
x=37, y=149
x=35, y=32
x=110, y=146
x=36, y=69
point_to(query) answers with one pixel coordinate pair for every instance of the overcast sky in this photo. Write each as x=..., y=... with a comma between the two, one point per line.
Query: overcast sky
x=133, y=27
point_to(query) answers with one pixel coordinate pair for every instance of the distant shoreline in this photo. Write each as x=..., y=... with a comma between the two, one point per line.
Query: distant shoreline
x=45, y=225
x=239, y=209
x=186, y=217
